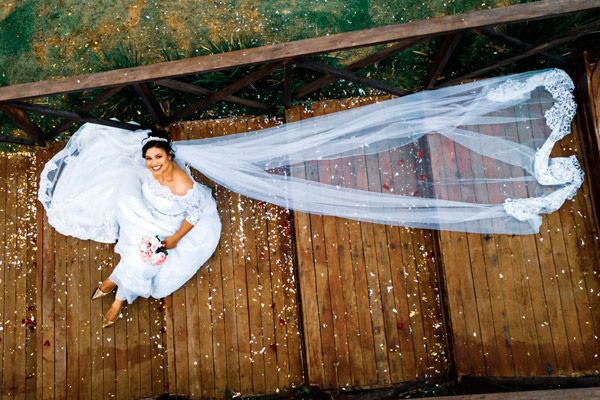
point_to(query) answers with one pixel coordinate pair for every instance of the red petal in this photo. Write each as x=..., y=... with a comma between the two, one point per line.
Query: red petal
x=416, y=193
x=273, y=346
x=163, y=329
x=284, y=224
x=287, y=230
x=400, y=325
x=273, y=305
x=23, y=322
x=420, y=153
x=47, y=343
x=261, y=255
x=436, y=290
x=32, y=328
x=29, y=376
x=401, y=162
x=30, y=308
x=422, y=177
x=282, y=321
x=161, y=309
x=386, y=186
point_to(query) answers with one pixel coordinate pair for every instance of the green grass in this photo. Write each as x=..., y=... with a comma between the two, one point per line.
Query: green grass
x=40, y=41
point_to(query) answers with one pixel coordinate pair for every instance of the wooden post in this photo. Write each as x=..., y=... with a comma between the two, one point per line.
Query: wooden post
x=350, y=76
x=287, y=85
x=200, y=91
x=23, y=122
x=518, y=44
x=573, y=34
x=365, y=62
x=227, y=91
x=441, y=59
x=153, y=106
x=88, y=106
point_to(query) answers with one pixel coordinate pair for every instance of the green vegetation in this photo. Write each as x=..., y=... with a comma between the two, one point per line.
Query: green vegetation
x=40, y=40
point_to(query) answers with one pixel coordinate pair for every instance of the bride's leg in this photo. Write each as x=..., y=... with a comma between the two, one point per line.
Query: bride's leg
x=107, y=285
x=114, y=311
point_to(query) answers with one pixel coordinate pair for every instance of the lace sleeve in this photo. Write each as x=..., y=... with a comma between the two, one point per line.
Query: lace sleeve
x=196, y=202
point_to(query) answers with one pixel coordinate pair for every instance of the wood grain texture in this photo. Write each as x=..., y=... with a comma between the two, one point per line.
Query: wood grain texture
x=367, y=37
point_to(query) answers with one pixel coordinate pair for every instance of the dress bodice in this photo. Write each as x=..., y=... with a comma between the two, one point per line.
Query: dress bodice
x=191, y=206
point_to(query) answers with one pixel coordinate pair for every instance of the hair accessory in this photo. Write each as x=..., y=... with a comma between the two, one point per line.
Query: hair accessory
x=154, y=138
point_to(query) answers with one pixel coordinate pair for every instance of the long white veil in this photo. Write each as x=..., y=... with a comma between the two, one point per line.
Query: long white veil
x=473, y=157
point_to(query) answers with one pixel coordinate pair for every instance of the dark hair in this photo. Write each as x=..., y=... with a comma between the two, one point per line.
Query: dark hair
x=161, y=144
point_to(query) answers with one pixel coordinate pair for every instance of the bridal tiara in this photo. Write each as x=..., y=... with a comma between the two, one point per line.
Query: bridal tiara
x=154, y=138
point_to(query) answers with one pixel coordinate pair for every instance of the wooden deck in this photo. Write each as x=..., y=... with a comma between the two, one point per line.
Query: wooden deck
x=292, y=299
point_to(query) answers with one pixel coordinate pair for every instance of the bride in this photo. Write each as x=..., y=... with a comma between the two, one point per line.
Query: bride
x=101, y=175
x=102, y=187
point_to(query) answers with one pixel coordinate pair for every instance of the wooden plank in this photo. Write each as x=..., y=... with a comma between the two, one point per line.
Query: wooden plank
x=180, y=337
x=107, y=346
x=548, y=273
x=96, y=331
x=132, y=352
x=367, y=345
x=60, y=317
x=171, y=384
x=21, y=267
x=4, y=271
x=240, y=250
x=354, y=356
x=367, y=37
x=485, y=265
x=401, y=249
x=82, y=277
x=306, y=277
x=229, y=291
x=120, y=343
x=326, y=173
x=369, y=244
x=73, y=310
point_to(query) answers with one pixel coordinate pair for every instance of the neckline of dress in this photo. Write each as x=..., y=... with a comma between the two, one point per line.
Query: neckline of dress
x=168, y=189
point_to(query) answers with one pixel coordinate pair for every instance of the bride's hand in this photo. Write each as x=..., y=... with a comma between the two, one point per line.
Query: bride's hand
x=170, y=243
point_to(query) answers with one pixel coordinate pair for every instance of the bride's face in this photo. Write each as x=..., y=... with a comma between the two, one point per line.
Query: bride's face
x=157, y=160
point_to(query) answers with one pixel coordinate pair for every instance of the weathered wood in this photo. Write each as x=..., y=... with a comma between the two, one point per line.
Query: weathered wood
x=287, y=85
x=22, y=121
x=368, y=37
x=39, y=109
x=200, y=91
x=557, y=394
x=152, y=105
x=88, y=106
x=12, y=139
x=227, y=91
x=349, y=76
x=441, y=59
x=565, y=38
x=365, y=62
x=518, y=44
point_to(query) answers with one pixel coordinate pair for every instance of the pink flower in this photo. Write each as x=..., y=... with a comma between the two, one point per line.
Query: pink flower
x=154, y=247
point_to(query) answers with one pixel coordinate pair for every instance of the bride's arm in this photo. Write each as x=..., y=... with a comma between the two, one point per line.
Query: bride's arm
x=172, y=241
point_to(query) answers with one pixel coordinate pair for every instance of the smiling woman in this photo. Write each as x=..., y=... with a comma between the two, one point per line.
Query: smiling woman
x=126, y=201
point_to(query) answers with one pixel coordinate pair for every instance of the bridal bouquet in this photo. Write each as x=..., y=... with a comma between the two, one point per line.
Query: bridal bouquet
x=152, y=251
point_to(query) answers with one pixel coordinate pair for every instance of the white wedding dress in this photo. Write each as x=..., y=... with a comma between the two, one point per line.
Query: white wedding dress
x=98, y=188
